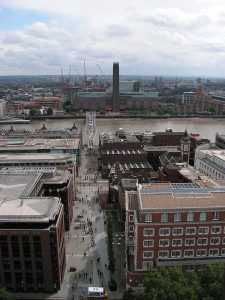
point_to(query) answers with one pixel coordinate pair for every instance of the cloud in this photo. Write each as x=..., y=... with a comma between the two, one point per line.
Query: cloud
x=147, y=37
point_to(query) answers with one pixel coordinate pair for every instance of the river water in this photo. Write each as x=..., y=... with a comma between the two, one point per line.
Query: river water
x=206, y=127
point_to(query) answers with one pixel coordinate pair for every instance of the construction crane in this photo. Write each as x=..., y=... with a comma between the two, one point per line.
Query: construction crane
x=106, y=82
x=76, y=70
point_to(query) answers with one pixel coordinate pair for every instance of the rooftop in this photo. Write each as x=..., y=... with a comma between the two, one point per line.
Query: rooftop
x=33, y=144
x=38, y=209
x=161, y=196
x=34, y=157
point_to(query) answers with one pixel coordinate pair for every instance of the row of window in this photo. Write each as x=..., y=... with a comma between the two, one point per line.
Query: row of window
x=180, y=230
x=177, y=217
x=186, y=242
x=210, y=171
x=185, y=253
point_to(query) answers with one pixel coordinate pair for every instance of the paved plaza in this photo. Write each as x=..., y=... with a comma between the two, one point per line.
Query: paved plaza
x=85, y=250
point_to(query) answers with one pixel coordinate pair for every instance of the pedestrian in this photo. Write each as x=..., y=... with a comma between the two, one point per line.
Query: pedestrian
x=85, y=254
x=86, y=274
x=105, y=265
x=102, y=284
x=100, y=273
x=95, y=230
x=83, y=239
x=90, y=280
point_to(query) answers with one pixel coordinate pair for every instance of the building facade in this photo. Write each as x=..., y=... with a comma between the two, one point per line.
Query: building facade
x=173, y=224
x=32, y=247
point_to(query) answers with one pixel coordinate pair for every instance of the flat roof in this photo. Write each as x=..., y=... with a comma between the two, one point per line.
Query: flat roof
x=35, y=157
x=39, y=143
x=161, y=196
x=14, y=185
x=38, y=209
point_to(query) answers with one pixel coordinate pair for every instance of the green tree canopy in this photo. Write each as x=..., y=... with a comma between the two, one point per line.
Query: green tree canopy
x=34, y=112
x=212, y=281
x=4, y=295
x=49, y=111
x=171, y=283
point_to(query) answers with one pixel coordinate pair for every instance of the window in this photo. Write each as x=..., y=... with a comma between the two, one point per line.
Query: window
x=215, y=241
x=149, y=232
x=38, y=265
x=178, y=231
x=202, y=216
x=147, y=254
x=216, y=229
x=201, y=252
x=130, y=239
x=176, y=242
x=148, y=217
x=28, y=265
x=163, y=254
x=189, y=253
x=164, y=217
x=131, y=228
x=223, y=251
x=177, y=217
x=202, y=242
x=164, y=243
x=6, y=264
x=190, y=230
x=190, y=216
x=148, y=243
x=146, y=265
x=213, y=252
x=176, y=253
x=17, y=265
x=131, y=218
x=215, y=215
x=189, y=242
x=223, y=240
x=164, y=231
x=203, y=230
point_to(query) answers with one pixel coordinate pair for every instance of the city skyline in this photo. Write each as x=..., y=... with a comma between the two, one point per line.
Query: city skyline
x=161, y=37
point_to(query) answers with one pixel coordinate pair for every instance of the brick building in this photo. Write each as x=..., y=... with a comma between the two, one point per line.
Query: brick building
x=173, y=224
x=41, y=182
x=32, y=247
x=126, y=151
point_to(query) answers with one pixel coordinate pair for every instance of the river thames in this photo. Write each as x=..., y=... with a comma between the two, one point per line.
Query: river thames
x=206, y=127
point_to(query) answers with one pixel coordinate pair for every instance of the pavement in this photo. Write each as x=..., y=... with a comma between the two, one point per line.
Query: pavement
x=90, y=260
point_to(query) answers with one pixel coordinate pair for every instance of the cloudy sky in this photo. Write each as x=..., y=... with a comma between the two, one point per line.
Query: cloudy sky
x=147, y=37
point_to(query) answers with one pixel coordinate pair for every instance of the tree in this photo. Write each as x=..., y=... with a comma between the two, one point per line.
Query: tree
x=34, y=112
x=212, y=281
x=171, y=283
x=4, y=295
x=129, y=295
x=49, y=111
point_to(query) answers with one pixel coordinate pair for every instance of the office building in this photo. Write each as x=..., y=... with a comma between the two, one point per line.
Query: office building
x=31, y=235
x=42, y=145
x=210, y=161
x=171, y=224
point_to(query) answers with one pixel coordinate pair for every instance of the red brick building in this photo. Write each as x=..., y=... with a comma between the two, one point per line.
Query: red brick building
x=174, y=224
x=32, y=248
